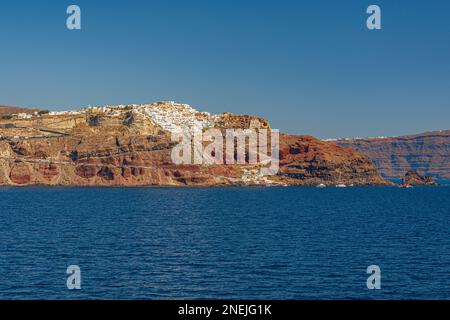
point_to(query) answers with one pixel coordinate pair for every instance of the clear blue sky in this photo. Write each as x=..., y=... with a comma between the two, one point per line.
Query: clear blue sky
x=310, y=67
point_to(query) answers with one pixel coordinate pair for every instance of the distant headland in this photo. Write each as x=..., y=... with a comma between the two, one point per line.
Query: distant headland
x=131, y=145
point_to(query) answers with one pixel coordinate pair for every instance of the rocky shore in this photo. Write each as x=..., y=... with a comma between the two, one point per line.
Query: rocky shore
x=414, y=178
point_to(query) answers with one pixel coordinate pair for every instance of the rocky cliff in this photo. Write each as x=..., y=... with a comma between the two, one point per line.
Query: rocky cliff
x=131, y=146
x=414, y=178
x=307, y=160
x=427, y=153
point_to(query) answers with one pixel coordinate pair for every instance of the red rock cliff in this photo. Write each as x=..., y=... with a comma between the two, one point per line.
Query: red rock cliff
x=131, y=146
x=427, y=153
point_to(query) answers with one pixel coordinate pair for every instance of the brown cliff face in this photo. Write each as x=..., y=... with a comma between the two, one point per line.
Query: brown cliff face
x=428, y=153
x=306, y=160
x=132, y=146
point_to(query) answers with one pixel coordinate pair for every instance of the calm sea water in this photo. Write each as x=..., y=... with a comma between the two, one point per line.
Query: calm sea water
x=254, y=243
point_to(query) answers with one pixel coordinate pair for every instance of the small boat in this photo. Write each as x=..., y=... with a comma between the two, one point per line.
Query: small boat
x=321, y=186
x=405, y=185
x=340, y=185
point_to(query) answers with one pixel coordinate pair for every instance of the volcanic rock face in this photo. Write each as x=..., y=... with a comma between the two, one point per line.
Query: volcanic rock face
x=306, y=160
x=132, y=145
x=416, y=179
x=428, y=153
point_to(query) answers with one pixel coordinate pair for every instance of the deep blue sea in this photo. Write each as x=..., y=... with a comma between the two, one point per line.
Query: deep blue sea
x=243, y=243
